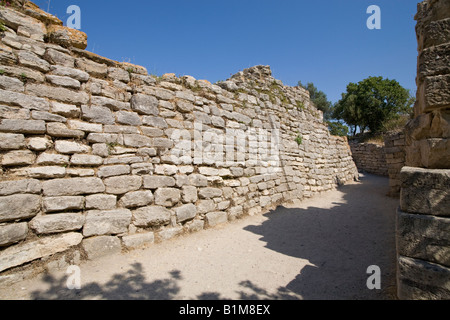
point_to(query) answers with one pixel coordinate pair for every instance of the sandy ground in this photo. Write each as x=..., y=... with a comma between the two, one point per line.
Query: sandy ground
x=317, y=249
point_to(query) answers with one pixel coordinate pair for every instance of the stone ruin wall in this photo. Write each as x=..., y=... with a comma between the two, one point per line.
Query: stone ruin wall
x=423, y=219
x=97, y=156
x=384, y=159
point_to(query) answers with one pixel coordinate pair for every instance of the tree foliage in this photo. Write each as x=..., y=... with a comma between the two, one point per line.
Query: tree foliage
x=319, y=98
x=337, y=128
x=372, y=103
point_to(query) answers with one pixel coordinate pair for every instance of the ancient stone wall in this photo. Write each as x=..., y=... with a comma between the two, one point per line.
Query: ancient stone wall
x=370, y=157
x=97, y=155
x=394, y=149
x=423, y=223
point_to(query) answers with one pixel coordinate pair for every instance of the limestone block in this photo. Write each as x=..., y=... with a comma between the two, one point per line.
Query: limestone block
x=77, y=74
x=209, y=193
x=101, y=201
x=128, y=118
x=11, y=141
x=111, y=171
x=30, y=26
x=71, y=147
x=137, y=141
x=435, y=153
x=52, y=159
x=119, y=74
x=97, y=114
x=60, y=94
x=422, y=280
x=42, y=172
x=156, y=122
x=67, y=37
x=31, y=186
x=101, y=246
x=145, y=104
x=110, y=103
x=189, y=194
x=205, y=206
x=95, y=69
x=18, y=158
x=57, y=223
x=185, y=212
x=72, y=186
x=22, y=126
x=167, y=197
x=11, y=84
x=122, y=184
x=425, y=191
x=31, y=60
x=84, y=126
x=138, y=240
x=213, y=219
x=59, y=204
x=106, y=222
x=155, y=182
x=423, y=237
x=22, y=253
x=65, y=110
x=60, y=130
x=136, y=199
x=57, y=57
x=12, y=233
x=168, y=233
x=151, y=216
x=86, y=160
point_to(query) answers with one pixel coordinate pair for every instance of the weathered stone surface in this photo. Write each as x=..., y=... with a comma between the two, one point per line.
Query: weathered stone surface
x=86, y=160
x=22, y=126
x=144, y=104
x=59, y=204
x=112, y=104
x=185, y=212
x=189, y=194
x=151, y=216
x=72, y=187
x=11, y=84
x=101, y=246
x=155, y=182
x=18, y=158
x=60, y=130
x=184, y=106
x=138, y=240
x=71, y=147
x=63, y=81
x=423, y=237
x=52, y=159
x=24, y=101
x=111, y=171
x=42, y=172
x=168, y=233
x=12, y=233
x=93, y=68
x=137, y=141
x=57, y=223
x=59, y=94
x=128, y=118
x=57, y=57
x=44, y=247
x=31, y=60
x=122, y=184
x=205, y=206
x=101, y=201
x=70, y=72
x=85, y=126
x=15, y=20
x=425, y=191
x=156, y=122
x=67, y=37
x=198, y=180
x=167, y=197
x=119, y=74
x=65, y=110
x=136, y=199
x=208, y=193
x=39, y=144
x=106, y=222
x=422, y=280
x=11, y=141
x=215, y=218
x=97, y=114
x=30, y=186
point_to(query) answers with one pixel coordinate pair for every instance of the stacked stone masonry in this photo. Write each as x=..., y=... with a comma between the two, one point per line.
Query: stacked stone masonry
x=423, y=219
x=97, y=155
x=370, y=157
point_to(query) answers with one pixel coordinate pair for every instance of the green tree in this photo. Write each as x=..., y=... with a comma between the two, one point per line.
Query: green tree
x=372, y=103
x=319, y=98
x=337, y=128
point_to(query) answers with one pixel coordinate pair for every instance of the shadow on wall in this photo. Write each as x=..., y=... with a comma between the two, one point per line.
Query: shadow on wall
x=340, y=243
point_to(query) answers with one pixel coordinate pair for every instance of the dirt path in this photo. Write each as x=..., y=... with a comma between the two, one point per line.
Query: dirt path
x=318, y=249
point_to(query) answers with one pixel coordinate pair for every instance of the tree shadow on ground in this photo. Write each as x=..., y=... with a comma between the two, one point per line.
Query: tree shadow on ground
x=130, y=285
x=340, y=243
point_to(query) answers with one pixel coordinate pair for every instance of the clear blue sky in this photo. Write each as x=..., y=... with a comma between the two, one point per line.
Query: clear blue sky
x=325, y=42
